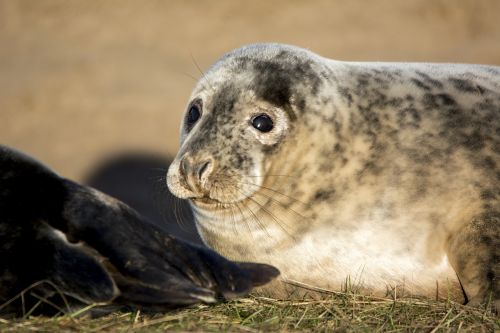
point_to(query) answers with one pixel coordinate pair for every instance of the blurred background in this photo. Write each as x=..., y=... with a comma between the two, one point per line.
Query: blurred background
x=82, y=81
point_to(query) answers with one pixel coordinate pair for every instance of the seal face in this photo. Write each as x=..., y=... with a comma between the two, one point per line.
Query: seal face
x=383, y=173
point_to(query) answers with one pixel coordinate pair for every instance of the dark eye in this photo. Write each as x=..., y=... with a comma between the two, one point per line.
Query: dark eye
x=193, y=115
x=263, y=123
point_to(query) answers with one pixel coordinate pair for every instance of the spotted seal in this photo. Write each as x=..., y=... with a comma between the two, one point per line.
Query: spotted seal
x=63, y=244
x=382, y=174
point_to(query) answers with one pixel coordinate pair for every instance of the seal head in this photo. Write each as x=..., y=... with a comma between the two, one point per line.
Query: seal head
x=242, y=113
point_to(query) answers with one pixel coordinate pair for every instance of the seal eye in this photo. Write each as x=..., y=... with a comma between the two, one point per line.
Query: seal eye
x=193, y=115
x=263, y=123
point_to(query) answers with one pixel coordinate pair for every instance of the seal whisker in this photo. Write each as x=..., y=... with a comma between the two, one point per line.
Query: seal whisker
x=222, y=210
x=256, y=218
x=179, y=218
x=261, y=225
x=277, y=192
x=195, y=79
x=221, y=180
x=278, y=203
x=233, y=218
x=266, y=176
x=202, y=73
x=246, y=222
x=280, y=223
x=161, y=190
x=186, y=74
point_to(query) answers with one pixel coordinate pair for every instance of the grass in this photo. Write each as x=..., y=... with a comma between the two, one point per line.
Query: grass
x=340, y=312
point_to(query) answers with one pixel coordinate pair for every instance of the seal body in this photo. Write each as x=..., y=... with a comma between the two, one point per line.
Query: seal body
x=381, y=174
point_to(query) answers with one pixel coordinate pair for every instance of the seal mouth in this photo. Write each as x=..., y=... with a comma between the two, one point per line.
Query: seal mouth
x=206, y=201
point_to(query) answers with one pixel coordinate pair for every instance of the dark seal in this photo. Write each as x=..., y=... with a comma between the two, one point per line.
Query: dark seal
x=62, y=241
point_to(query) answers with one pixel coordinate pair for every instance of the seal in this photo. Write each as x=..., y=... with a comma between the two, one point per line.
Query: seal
x=382, y=174
x=63, y=243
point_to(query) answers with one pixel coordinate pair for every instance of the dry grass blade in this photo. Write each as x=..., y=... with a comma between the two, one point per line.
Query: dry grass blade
x=255, y=314
x=330, y=311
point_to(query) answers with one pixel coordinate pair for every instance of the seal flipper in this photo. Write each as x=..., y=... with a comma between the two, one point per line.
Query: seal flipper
x=41, y=214
x=475, y=255
x=153, y=268
x=31, y=251
x=72, y=268
x=59, y=274
x=260, y=274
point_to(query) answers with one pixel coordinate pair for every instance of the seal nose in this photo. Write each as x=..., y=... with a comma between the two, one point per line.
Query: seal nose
x=196, y=171
x=202, y=168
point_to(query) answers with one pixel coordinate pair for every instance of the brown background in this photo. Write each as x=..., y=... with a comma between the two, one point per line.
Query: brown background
x=82, y=79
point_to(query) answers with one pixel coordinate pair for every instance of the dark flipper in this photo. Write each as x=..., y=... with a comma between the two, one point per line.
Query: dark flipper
x=148, y=261
x=96, y=248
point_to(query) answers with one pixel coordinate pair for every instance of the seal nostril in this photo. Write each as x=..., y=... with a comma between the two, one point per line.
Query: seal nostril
x=203, y=167
x=183, y=167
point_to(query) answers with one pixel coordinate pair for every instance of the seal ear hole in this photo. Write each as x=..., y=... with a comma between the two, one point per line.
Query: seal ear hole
x=262, y=123
x=193, y=113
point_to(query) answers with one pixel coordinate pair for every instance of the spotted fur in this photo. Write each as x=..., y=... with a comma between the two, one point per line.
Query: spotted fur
x=386, y=173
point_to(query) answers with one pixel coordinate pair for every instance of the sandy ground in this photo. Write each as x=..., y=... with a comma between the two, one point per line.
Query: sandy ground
x=82, y=79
